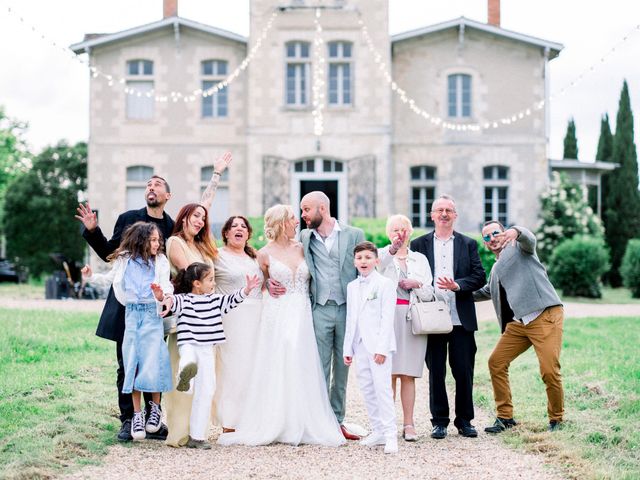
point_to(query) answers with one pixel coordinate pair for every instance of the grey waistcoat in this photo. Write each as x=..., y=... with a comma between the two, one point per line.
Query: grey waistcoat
x=328, y=285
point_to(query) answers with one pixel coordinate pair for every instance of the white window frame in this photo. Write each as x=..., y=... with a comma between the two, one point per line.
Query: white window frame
x=494, y=185
x=458, y=102
x=316, y=171
x=302, y=77
x=216, y=99
x=139, y=99
x=341, y=62
x=137, y=177
x=422, y=184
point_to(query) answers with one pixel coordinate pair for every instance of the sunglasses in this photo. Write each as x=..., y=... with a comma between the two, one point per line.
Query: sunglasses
x=487, y=237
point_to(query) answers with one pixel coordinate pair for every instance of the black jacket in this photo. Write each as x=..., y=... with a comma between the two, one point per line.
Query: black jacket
x=111, y=324
x=467, y=272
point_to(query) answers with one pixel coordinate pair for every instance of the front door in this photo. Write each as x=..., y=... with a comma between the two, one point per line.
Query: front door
x=329, y=187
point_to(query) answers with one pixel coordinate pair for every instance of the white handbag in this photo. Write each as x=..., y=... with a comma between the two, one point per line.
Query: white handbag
x=430, y=317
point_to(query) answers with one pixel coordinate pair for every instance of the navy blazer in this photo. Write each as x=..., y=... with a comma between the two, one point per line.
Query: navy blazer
x=468, y=273
x=111, y=324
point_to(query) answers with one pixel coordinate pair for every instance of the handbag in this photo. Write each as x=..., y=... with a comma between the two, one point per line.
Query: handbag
x=430, y=317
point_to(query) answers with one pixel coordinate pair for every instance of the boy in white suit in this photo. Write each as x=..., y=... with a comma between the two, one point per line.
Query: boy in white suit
x=369, y=337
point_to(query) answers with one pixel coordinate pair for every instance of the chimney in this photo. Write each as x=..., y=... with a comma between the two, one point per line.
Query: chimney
x=494, y=12
x=169, y=8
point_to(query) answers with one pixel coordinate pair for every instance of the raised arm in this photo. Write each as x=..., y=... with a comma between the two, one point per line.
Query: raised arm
x=95, y=238
x=219, y=166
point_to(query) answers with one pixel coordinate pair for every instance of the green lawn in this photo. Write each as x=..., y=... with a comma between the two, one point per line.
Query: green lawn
x=601, y=373
x=609, y=295
x=57, y=394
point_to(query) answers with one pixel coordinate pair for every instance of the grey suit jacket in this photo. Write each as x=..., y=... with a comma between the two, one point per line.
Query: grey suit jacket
x=523, y=278
x=348, y=238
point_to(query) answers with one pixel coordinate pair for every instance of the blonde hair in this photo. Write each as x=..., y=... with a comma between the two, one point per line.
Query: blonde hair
x=402, y=219
x=274, y=220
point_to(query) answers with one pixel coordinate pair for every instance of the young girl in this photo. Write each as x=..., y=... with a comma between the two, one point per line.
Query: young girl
x=137, y=263
x=199, y=328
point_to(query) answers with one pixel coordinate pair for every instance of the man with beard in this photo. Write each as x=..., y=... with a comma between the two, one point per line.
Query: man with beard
x=111, y=324
x=328, y=250
x=457, y=273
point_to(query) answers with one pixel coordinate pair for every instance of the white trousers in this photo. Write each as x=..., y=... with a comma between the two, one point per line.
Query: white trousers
x=204, y=386
x=375, y=385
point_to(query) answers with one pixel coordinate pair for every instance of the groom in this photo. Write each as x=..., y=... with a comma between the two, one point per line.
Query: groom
x=328, y=249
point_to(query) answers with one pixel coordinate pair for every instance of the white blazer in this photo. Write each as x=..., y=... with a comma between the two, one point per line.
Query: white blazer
x=417, y=269
x=116, y=275
x=371, y=309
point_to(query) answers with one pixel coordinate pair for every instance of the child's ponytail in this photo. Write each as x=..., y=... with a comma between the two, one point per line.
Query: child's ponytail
x=183, y=282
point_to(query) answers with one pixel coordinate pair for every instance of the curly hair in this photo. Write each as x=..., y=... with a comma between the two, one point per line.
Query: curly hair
x=274, y=220
x=135, y=242
x=248, y=249
x=204, y=240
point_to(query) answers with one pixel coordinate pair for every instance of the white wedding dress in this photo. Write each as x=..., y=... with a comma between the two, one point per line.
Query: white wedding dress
x=287, y=400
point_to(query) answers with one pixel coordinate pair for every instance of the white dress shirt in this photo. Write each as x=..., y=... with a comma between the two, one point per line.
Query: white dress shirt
x=443, y=260
x=328, y=242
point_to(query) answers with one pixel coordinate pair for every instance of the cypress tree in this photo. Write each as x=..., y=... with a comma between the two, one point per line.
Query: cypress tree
x=623, y=199
x=570, y=141
x=605, y=150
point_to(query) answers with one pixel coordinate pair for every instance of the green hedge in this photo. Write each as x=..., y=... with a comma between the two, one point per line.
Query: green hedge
x=577, y=265
x=630, y=267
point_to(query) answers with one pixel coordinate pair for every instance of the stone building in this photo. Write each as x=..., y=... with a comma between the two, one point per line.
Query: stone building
x=480, y=134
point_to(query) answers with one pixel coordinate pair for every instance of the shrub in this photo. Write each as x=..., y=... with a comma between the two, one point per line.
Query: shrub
x=258, y=240
x=577, y=265
x=487, y=257
x=630, y=268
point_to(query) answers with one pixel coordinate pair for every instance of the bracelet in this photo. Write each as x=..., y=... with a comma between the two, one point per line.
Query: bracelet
x=217, y=173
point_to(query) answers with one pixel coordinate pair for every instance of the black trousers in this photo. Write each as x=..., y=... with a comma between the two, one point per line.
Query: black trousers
x=125, y=401
x=461, y=347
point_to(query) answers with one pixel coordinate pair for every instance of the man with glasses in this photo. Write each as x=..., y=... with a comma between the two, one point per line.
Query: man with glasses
x=529, y=313
x=457, y=272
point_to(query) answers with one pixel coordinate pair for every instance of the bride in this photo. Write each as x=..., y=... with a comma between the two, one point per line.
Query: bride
x=287, y=399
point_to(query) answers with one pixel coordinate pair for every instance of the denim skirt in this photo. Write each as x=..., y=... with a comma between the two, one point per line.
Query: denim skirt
x=144, y=352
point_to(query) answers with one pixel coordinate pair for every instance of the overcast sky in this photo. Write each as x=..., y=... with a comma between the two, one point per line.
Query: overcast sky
x=42, y=85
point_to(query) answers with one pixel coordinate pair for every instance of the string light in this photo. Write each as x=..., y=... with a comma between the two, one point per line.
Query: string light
x=318, y=77
x=191, y=96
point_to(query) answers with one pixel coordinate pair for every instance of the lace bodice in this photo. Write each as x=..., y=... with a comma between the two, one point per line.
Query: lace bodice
x=297, y=282
x=231, y=271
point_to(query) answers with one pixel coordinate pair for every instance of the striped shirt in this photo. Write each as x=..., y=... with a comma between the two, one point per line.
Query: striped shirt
x=200, y=316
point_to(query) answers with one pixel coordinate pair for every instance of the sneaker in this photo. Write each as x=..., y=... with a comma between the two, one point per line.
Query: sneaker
x=373, y=439
x=155, y=418
x=391, y=445
x=185, y=375
x=555, y=425
x=137, y=426
x=500, y=425
x=199, y=444
x=124, y=435
x=161, y=434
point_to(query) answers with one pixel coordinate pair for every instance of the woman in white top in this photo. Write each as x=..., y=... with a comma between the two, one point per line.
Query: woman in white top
x=191, y=241
x=412, y=273
x=234, y=361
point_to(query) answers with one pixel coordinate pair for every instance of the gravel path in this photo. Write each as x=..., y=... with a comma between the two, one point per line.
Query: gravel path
x=452, y=458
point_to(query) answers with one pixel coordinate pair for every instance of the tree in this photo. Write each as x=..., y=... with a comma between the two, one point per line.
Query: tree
x=13, y=154
x=623, y=199
x=40, y=205
x=564, y=214
x=570, y=141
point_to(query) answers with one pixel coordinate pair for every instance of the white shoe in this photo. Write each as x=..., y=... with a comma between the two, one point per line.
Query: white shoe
x=391, y=445
x=373, y=439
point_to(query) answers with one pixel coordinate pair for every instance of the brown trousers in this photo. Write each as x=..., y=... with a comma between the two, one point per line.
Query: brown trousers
x=545, y=334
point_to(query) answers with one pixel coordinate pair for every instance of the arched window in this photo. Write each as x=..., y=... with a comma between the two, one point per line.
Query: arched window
x=459, y=95
x=216, y=104
x=496, y=193
x=423, y=193
x=340, y=73
x=140, y=90
x=137, y=178
x=297, y=71
x=220, y=207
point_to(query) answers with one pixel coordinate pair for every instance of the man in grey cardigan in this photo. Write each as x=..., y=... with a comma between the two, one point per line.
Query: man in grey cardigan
x=529, y=313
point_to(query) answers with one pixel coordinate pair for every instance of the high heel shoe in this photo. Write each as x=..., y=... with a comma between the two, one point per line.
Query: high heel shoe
x=409, y=436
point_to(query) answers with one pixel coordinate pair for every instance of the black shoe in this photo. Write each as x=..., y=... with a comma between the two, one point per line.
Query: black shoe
x=124, y=435
x=467, y=430
x=555, y=425
x=500, y=425
x=161, y=434
x=439, y=432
